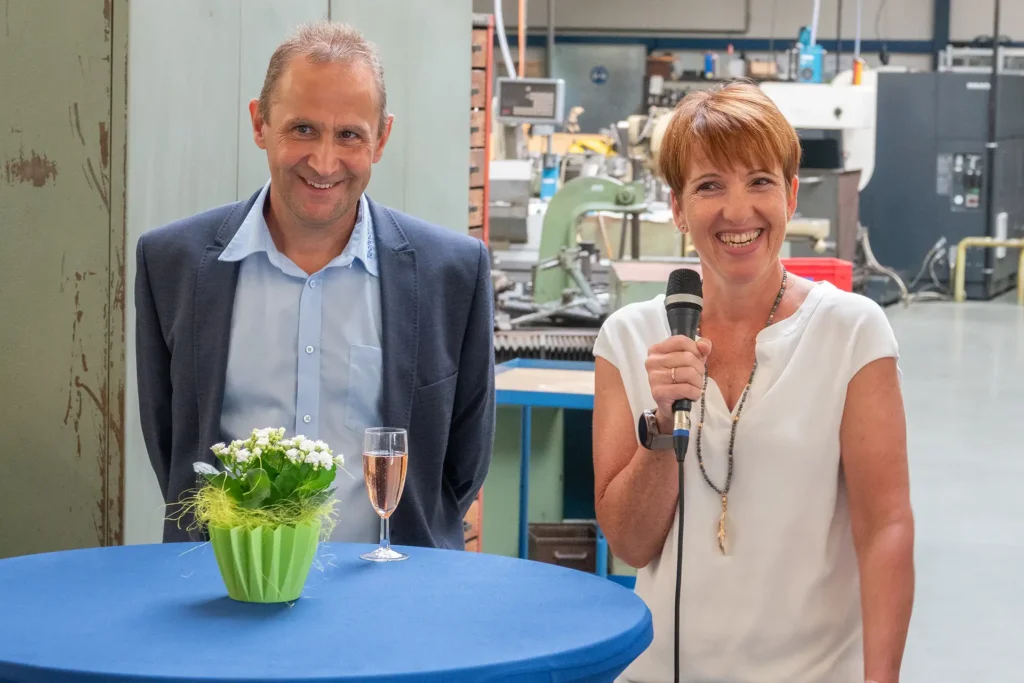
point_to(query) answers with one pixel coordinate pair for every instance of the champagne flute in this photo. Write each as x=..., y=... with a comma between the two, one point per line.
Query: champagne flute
x=385, y=460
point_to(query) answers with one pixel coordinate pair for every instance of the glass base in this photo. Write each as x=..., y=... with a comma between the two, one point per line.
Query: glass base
x=384, y=555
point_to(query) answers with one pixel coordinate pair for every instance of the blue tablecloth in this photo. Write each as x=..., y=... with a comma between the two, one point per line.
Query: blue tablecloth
x=160, y=612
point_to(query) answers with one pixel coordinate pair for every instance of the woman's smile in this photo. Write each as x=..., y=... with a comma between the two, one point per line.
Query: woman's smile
x=741, y=242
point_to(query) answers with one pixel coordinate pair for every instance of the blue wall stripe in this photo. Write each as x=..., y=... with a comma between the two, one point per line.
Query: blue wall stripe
x=911, y=47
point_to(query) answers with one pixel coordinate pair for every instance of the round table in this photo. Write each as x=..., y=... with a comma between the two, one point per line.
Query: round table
x=161, y=612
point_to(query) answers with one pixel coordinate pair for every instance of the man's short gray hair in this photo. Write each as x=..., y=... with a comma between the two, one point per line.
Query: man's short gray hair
x=325, y=41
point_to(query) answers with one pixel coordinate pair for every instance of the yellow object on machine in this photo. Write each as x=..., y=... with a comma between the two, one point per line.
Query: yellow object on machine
x=597, y=146
x=572, y=143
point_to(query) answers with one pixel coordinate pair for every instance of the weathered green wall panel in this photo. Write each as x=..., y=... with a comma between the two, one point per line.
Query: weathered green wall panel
x=61, y=281
x=114, y=491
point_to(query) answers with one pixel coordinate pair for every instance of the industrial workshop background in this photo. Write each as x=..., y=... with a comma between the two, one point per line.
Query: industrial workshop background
x=117, y=116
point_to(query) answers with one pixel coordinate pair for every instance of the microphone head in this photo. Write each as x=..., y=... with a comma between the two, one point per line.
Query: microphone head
x=684, y=289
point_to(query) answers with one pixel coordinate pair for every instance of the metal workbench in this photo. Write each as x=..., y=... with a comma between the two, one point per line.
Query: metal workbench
x=530, y=383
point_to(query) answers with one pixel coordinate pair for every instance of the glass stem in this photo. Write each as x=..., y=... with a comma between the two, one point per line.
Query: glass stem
x=385, y=540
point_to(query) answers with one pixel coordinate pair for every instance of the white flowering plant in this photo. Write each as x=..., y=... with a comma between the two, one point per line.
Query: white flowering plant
x=267, y=480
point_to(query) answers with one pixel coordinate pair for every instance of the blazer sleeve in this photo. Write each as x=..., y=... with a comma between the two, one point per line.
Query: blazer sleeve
x=153, y=364
x=471, y=435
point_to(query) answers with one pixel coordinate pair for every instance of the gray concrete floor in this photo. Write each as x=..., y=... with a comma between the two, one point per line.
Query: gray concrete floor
x=963, y=384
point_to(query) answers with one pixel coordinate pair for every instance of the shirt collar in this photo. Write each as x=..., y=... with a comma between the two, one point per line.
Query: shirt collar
x=253, y=236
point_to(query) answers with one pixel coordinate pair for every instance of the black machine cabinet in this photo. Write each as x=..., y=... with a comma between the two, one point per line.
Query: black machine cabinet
x=930, y=173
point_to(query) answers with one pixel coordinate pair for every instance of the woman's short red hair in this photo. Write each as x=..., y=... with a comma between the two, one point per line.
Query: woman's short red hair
x=733, y=123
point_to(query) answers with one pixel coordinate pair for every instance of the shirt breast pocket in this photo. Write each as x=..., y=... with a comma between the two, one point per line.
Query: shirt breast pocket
x=362, y=404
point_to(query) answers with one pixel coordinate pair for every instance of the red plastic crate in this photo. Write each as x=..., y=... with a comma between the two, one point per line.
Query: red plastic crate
x=834, y=270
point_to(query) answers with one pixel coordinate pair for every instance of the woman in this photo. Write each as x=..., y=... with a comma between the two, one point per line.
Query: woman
x=798, y=539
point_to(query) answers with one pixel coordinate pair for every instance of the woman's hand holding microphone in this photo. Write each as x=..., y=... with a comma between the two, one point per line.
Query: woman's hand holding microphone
x=675, y=370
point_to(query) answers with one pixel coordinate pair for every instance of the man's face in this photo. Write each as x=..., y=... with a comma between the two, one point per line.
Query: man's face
x=321, y=139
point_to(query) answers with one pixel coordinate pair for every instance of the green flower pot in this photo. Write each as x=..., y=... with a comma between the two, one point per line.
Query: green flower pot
x=267, y=564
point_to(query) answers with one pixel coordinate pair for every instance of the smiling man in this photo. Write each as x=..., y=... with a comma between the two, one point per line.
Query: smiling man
x=310, y=307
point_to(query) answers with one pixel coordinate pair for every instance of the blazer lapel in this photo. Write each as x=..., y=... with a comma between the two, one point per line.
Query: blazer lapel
x=399, y=303
x=212, y=309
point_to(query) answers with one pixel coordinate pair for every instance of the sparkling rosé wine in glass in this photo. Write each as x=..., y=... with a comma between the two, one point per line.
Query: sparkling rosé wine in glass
x=385, y=461
x=385, y=480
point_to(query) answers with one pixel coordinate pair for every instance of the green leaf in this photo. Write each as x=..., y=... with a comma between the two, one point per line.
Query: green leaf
x=256, y=488
x=285, y=483
x=255, y=478
x=273, y=498
x=316, y=484
x=232, y=486
x=323, y=479
x=216, y=479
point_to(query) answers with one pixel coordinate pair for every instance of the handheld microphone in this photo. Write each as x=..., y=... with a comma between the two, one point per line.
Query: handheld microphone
x=684, y=302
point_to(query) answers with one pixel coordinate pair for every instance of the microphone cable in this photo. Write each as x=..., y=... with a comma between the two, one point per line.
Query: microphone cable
x=680, y=442
x=684, y=303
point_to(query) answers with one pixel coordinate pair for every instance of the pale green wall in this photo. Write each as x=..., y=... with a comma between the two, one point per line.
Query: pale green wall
x=425, y=169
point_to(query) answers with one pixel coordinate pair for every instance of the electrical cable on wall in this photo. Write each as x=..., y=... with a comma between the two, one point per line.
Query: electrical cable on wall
x=839, y=37
x=856, y=38
x=933, y=291
x=872, y=264
x=883, y=55
x=499, y=25
x=814, y=22
x=771, y=35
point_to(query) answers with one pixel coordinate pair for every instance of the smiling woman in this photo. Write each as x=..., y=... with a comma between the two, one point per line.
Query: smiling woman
x=797, y=538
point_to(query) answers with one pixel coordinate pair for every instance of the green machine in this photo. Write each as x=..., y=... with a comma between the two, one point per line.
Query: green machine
x=561, y=274
x=562, y=291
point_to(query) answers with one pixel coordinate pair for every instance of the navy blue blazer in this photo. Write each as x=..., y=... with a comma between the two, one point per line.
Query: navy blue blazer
x=437, y=349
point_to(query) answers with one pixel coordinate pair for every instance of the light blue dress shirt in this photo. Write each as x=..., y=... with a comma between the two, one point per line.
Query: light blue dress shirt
x=305, y=353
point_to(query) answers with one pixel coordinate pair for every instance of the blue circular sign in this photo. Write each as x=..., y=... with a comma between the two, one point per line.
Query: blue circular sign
x=599, y=75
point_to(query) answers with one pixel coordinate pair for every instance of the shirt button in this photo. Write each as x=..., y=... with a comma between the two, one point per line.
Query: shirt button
x=312, y=283
x=307, y=419
x=309, y=349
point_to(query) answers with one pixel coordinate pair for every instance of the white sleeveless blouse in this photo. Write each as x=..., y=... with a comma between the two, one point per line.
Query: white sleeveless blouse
x=784, y=603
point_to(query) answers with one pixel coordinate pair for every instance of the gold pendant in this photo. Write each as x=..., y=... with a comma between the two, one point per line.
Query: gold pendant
x=721, y=525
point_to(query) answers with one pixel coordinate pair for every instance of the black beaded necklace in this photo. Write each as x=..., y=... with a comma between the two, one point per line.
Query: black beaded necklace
x=724, y=492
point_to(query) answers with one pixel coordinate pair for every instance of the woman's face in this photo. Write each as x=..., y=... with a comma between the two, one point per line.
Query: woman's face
x=736, y=217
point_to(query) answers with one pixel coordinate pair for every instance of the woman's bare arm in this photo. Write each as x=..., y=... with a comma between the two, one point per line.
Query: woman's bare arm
x=634, y=489
x=873, y=442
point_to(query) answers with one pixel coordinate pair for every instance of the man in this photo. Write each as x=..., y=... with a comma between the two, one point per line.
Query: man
x=311, y=307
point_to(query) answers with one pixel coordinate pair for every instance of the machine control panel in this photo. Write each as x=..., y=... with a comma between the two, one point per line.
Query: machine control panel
x=961, y=178
x=538, y=101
